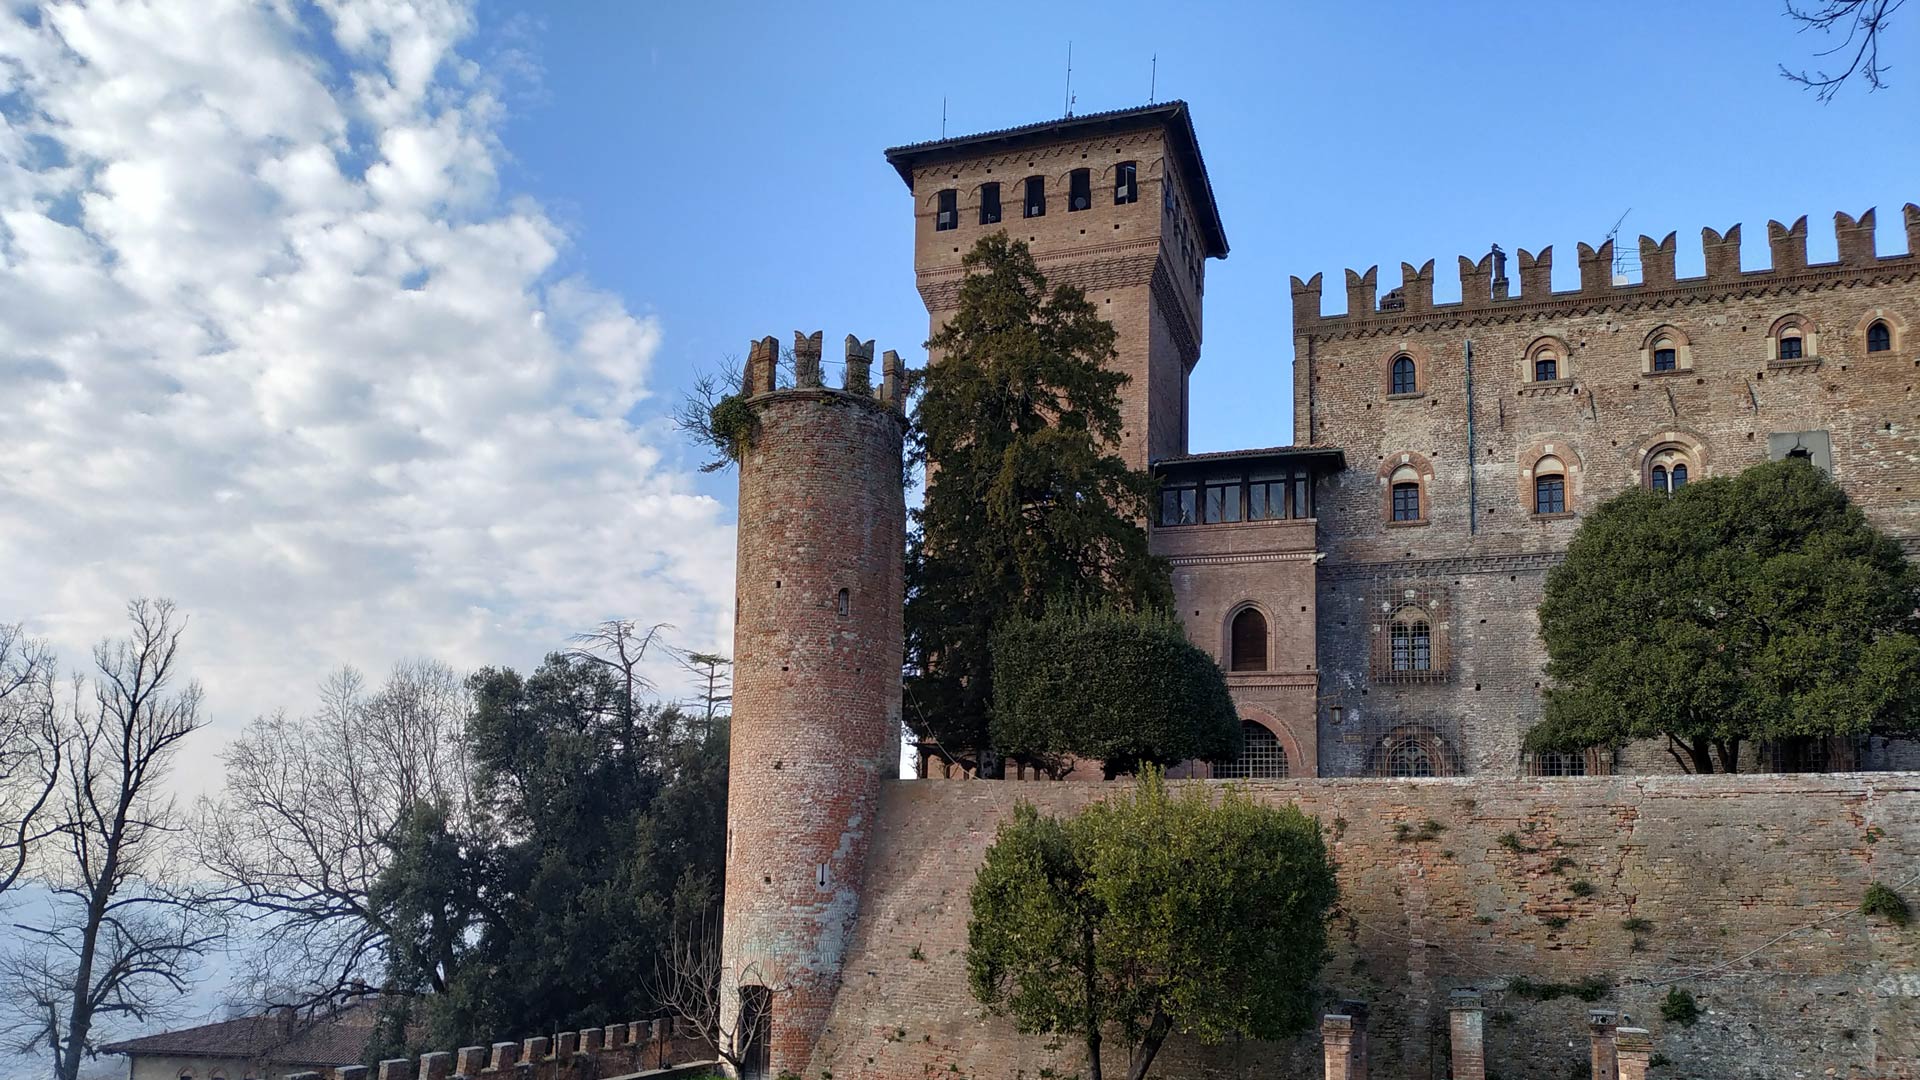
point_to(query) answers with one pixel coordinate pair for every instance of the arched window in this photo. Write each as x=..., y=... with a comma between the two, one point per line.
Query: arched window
x=1409, y=757
x=1658, y=478
x=1879, y=337
x=1405, y=378
x=1406, y=493
x=1549, y=486
x=1410, y=641
x=1261, y=756
x=1679, y=475
x=1668, y=468
x=1793, y=340
x=1249, y=641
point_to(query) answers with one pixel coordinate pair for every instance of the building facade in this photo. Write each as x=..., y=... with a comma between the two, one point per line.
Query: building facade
x=1371, y=588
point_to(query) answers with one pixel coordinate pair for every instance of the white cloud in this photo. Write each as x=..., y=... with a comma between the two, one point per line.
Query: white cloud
x=274, y=343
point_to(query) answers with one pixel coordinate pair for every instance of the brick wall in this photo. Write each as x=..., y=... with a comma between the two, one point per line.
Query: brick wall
x=1718, y=867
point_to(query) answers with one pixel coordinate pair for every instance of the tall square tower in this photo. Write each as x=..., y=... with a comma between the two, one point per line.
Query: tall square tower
x=1117, y=203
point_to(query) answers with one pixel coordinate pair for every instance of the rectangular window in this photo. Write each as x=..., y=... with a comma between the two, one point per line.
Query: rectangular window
x=1406, y=502
x=1664, y=360
x=989, y=204
x=1177, y=506
x=1789, y=348
x=1266, y=500
x=1550, y=495
x=1301, y=505
x=1126, y=188
x=1546, y=370
x=1080, y=191
x=1221, y=503
x=1036, y=204
x=948, y=214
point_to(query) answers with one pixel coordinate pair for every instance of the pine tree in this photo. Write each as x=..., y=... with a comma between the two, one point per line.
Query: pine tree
x=1028, y=505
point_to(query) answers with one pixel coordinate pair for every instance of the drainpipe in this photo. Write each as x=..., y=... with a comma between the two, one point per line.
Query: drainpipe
x=1473, y=502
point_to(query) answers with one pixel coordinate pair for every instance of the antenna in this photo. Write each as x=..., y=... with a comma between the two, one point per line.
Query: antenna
x=1069, y=78
x=1621, y=263
x=1153, y=80
x=943, y=116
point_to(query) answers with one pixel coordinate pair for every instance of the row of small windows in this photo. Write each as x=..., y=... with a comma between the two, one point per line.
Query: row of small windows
x=1126, y=189
x=1666, y=350
x=1268, y=495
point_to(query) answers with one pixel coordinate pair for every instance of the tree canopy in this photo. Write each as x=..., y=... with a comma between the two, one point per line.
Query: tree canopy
x=1027, y=504
x=1758, y=607
x=1152, y=913
x=1122, y=687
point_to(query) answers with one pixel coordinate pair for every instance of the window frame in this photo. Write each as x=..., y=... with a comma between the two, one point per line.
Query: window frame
x=1550, y=364
x=990, y=203
x=1079, y=190
x=1188, y=501
x=1549, y=493
x=1885, y=331
x=946, y=212
x=1126, y=183
x=1403, y=364
x=1033, y=199
x=1401, y=512
x=1666, y=358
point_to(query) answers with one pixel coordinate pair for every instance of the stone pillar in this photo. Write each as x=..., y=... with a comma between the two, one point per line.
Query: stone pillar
x=1336, y=1042
x=1357, y=1011
x=1601, y=1024
x=436, y=1066
x=1634, y=1046
x=469, y=1060
x=396, y=1069
x=1467, y=1026
x=505, y=1055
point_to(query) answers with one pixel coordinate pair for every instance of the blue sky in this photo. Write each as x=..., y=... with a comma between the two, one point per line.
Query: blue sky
x=721, y=164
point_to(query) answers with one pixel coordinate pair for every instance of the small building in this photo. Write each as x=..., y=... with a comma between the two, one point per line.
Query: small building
x=251, y=1047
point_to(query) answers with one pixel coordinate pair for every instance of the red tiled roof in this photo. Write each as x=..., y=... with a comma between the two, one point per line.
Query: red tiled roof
x=340, y=1039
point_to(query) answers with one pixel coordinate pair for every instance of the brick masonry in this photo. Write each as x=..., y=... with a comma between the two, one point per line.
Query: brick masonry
x=1719, y=867
x=816, y=706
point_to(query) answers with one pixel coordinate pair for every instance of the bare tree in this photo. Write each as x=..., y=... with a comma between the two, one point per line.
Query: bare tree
x=688, y=984
x=302, y=829
x=715, y=695
x=115, y=943
x=29, y=749
x=1863, y=21
x=620, y=646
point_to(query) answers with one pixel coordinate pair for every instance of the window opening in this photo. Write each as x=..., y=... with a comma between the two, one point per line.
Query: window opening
x=948, y=216
x=1665, y=359
x=1249, y=641
x=1790, y=348
x=1879, y=338
x=1546, y=368
x=1036, y=200
x=1080, y=190
x=989, y=204
x=1406, y=502
x=1125, y=187
x=1261, y=756
x=1550, y=494
x=1403, y=375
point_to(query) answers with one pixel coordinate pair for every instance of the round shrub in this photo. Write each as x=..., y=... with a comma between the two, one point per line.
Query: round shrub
x=1121, y=687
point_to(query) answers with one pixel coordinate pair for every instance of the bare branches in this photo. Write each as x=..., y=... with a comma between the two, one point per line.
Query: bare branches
x=1863, y=22
x=114, y=943
x=29, y=749
x=695, y=414
x=688, y=984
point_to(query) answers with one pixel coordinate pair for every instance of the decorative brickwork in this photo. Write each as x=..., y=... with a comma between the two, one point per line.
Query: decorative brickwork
x=816, y=706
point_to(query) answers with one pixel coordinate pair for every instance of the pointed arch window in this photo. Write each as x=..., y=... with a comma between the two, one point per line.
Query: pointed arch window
x=1248, y=641
x=1879, y=337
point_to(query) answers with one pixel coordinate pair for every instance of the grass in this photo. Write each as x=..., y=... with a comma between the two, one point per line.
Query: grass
x=1581, y=888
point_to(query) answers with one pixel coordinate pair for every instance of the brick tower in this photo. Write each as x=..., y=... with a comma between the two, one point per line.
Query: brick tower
x=1117, y=203
x=816, y=705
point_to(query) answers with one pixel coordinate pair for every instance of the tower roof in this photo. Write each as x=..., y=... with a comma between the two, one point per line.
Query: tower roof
x=1173, y=117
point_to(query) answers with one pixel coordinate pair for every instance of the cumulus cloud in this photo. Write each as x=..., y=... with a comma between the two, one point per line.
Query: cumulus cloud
x=274, y=343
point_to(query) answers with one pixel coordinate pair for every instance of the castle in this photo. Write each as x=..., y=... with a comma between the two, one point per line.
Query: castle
x=1369, y=591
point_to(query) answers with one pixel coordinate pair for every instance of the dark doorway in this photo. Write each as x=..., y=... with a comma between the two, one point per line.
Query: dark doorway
x=755, y=1032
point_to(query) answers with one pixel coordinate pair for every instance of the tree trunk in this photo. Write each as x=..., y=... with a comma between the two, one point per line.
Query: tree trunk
x=1729, y=755
x=1143, y=1054
x=1701, y=751
x=1093, y=1054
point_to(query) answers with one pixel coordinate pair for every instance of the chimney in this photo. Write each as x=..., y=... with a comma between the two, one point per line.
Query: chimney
x=1635, y=1046
x=1467, y=1024
x=1601, y=1024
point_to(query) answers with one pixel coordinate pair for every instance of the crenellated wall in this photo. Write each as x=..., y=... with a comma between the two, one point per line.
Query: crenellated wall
x=1744, y=890
x=657, y=1049
x=1481, y=424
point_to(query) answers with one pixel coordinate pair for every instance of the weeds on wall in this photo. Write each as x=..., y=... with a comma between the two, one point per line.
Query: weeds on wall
x=1679, y=1007
x=1884, y=902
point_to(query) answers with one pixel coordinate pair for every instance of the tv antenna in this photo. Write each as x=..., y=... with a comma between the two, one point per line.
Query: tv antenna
x=1621, y=263
x=1069, y=78
x=1153, y=80
x=943, y=116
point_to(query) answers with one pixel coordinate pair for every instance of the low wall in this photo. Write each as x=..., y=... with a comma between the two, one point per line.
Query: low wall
x=1715, y=869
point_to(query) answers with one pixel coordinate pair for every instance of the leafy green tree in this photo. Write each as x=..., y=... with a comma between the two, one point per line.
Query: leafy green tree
x=1758, y=607
x=1121, y=687
x=1027, y=503
x=1153, y=913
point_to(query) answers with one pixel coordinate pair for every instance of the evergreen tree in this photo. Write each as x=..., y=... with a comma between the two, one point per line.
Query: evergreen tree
x=1758, y=607
x=1027, y=502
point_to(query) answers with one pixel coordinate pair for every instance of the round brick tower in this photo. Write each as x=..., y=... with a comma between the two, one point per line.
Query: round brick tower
x=816, y=695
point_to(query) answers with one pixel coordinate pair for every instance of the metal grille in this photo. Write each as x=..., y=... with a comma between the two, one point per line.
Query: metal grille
x=1390, y=747
x=1409, y=630
x=1809, y=754
x=1593, y=761
x=1261, y=756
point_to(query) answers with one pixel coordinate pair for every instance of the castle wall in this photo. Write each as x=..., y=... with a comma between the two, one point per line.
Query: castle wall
x=1479, y=551
x=1749, y=888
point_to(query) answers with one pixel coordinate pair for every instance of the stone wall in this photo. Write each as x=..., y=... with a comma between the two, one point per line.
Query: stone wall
x=1608, y=418
x=1748, y=888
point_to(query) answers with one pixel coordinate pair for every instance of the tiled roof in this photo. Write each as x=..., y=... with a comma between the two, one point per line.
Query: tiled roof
x=340, y=1039
x=1173, y=115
